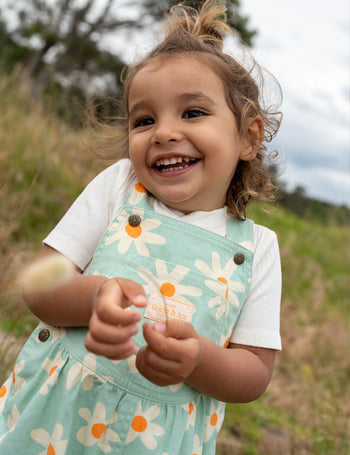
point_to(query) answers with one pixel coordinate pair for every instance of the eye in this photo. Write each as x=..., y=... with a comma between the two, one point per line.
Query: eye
x=194, y=113
x=144, y=121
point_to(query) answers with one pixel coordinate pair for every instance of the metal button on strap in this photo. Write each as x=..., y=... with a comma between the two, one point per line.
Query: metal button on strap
x=44, y=334
x=134, y=220
x=238, y=258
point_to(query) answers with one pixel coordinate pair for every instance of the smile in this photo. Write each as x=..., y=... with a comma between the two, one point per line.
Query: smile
x=175, y=163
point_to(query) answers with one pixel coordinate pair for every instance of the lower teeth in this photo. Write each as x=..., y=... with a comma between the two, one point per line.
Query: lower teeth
x=171, y=169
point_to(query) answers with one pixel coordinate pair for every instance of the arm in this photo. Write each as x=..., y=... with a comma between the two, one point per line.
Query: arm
x=238, y=374
x=67, y=305
x=97, y=302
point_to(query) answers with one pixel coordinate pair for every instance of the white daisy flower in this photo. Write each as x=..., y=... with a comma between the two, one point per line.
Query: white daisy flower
x=5, y=392
x=52, y=443
x=18, y=381
x=139, y=235
x=222, y=275
x=97, y=431
x=214, y=420
x=247, y=244
x=137, y=193
x=191, y=409
x=197, y=446
x=176, y=387
x=11, y=421
x=225, y=338
x=82, y=372
x=52, y=367
x=143, y=428
x=168, y=283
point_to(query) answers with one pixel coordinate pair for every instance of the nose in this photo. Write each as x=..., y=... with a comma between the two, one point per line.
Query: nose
x=165, y=133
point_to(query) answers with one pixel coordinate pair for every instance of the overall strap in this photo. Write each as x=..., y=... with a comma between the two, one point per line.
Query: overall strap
x=239, y=230
x=139, y=197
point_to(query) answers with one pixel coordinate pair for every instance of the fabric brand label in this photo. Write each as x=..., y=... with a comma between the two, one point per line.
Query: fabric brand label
x=158, y=306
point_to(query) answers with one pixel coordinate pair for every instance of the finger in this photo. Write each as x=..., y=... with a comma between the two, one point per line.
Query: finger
x=111, y=334
x=154, y=363
x=107, y=311
x=159, y=376
x=112, y=351
x=165, y=347
x=133, y=292
x=178, y=329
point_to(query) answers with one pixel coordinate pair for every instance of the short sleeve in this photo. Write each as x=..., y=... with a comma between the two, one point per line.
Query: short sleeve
x=259, y=321
x=77, y=234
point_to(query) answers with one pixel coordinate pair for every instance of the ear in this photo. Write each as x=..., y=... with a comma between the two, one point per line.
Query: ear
x=256, y=133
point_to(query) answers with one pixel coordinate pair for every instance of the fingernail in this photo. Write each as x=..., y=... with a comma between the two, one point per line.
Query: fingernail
x=140, y=299
x=134, y=329
x=160, y=327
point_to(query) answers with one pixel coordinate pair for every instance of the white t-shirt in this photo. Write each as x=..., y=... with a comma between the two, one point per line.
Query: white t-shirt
x=77, y=235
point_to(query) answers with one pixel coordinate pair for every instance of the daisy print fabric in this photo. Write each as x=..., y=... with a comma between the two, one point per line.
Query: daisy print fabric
x=63, y=400
x=143, y=429
x=223, y=286
x=127, y=234
x=97, y=431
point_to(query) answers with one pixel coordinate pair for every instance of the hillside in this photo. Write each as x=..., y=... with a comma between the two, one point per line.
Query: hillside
x=306, y=409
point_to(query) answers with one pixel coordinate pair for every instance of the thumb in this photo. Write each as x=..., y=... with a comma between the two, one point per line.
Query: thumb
x=176, y=329
x=133, y=292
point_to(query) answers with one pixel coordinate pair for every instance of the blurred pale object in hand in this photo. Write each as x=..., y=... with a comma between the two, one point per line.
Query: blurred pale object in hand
x=46, y=274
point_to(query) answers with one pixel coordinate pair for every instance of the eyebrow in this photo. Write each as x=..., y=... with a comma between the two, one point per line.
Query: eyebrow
x=196, y=96
x=183, y=97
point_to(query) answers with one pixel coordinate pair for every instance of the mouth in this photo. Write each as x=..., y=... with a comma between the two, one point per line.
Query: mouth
x=176, y=163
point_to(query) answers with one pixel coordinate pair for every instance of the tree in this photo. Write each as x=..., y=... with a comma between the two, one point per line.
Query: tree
x=66, y=34
x=234, y=17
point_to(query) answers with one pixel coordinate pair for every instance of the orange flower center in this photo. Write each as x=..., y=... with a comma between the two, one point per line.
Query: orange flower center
x=97, y=429
x=167, y=289
x=190, y=408
x=226, y=342
x=214, y=419
x=222, y=280
x=50, y=450
x=3, y=391
x=53, y=369
x=139, y=424
x=133, y=231
x=140, y=188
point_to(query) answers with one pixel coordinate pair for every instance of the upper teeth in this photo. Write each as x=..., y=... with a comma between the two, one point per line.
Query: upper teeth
x=172, y=160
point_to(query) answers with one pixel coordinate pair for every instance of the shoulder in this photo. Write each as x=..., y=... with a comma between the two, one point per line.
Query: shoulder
x=112, y=185
x=119, y=173
x=263, y=237
x=266, y=251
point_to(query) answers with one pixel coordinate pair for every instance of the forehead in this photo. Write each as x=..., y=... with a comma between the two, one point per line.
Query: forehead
x=177, y=73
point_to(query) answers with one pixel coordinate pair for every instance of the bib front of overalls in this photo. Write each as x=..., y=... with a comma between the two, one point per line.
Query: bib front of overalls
x=62, y=399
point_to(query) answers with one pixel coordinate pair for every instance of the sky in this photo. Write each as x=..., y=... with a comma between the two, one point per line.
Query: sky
x=306, y=46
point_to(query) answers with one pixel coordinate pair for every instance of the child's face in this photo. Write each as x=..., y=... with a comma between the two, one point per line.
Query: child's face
x=183, y=139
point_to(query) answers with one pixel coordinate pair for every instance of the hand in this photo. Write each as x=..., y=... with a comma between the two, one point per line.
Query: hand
x=112, y=324
x=169, y=359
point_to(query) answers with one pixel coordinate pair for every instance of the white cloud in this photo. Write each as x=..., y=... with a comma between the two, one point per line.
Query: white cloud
x=306, y=46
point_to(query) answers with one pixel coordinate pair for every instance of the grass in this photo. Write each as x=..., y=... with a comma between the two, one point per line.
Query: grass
x=42, y=169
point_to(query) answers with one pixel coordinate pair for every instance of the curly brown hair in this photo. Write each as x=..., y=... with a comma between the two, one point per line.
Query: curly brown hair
x=200, y=34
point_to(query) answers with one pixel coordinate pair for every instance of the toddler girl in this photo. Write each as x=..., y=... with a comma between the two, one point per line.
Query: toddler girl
x=173, y=308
